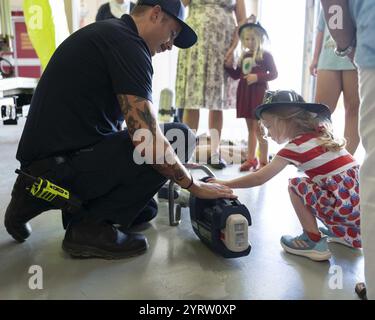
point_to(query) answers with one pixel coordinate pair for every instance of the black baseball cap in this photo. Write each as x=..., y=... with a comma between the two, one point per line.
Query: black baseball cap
x=274, y=99
x=187, y=37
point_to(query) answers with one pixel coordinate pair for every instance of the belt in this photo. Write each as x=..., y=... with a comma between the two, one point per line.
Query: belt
x=40, y=166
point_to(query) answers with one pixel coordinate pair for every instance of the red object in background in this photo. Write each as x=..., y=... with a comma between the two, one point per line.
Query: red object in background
x=24, y=47
x=26, y=61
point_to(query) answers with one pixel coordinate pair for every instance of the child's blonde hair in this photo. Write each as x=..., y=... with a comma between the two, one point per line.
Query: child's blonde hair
x=298, y=120
x=258, y=54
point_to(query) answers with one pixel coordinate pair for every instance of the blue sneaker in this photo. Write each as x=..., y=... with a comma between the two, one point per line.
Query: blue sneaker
x=303, y=246
x=333, y=238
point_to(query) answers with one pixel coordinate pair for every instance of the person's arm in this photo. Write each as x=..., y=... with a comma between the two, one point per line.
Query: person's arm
x=318, y=49
x=257, y=178
x=240, y=12
x=344, y=36
x=138, y=115
x=321, y=30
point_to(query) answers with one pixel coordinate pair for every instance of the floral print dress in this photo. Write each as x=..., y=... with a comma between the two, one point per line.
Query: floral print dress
x=201, y=80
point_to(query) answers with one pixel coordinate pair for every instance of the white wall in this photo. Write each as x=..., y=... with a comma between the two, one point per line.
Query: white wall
x=90, y=8
x=286, y=40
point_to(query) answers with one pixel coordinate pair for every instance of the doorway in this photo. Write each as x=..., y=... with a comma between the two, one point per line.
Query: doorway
x=285, y=24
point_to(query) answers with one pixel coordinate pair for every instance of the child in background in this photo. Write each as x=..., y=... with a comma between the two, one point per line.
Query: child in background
x=255, y=68
x=330, y=192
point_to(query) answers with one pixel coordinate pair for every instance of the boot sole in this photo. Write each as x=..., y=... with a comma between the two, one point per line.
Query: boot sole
x=311, y=254
x=15, y=235
x=82, y=251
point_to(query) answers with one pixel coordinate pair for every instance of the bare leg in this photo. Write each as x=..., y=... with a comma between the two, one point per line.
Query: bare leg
x=191, y=118
x=252, y=139
x=328, y=88
x=306, y=218
x=351, y=104
x=202, y=153
x=215, y=122
x=263, y=145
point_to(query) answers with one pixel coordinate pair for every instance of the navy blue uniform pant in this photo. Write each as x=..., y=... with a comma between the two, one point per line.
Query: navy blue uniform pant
x=111, y=184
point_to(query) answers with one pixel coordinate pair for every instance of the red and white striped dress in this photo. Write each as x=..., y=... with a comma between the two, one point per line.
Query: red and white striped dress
x=331, y=188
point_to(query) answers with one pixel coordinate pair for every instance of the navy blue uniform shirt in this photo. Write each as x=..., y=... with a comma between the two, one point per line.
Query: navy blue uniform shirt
x=75, y=103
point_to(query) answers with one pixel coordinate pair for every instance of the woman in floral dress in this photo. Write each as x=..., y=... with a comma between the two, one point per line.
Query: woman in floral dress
x=201, y=79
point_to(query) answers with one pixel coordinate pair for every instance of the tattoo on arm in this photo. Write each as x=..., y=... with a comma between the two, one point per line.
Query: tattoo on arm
x=133, y=125
x=170, y=166
x=148, y=118
x=133, y=120
x=138, y=115
x=124, y=104
x=173, y=172
x=179, y=175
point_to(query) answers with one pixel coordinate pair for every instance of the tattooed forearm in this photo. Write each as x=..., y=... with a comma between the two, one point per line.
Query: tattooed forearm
x=179, y=175
x=174, y=172
x=171, y=166
x=133, y=125
x=147, y=118
x=138, y=115
x=125, y=105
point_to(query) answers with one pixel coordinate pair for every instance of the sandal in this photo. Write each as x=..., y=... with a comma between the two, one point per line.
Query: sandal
x=360, y=290
x=216, y=162
x=249, y=164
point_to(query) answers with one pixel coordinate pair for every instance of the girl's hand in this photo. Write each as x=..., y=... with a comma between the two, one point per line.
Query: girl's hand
x=252, y=19
x=214, y=180
x=207, y=190
x=251, y=78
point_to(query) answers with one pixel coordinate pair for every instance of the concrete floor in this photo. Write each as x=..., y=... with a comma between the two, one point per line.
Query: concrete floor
x=177, y=265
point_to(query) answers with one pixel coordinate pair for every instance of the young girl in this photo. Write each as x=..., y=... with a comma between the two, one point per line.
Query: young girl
x=255, y=68
x=330, y=192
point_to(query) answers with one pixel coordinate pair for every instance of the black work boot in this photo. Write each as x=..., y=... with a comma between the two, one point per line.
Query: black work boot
x=148, y=213
x=102, y=240
x=21, y=209
x=141, y=222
